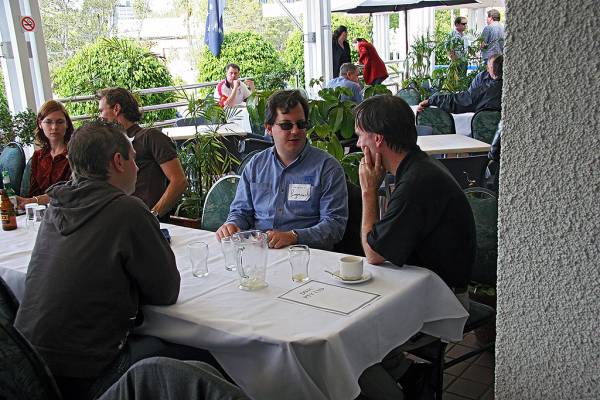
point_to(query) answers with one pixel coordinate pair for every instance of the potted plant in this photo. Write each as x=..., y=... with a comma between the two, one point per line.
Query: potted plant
x=204, y=158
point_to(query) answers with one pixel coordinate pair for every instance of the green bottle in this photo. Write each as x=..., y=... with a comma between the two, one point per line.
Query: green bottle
x=10, y=192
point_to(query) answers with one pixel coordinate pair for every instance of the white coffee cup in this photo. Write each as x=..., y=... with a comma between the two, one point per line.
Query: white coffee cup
x=351, y=267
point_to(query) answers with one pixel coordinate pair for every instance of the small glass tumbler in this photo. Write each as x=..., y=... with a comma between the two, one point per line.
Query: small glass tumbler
x=30, y=214
x=299, y=256
x=198, y=253
x=229, y=252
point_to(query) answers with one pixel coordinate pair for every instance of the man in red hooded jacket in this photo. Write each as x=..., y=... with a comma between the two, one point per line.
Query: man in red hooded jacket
x=374, y=70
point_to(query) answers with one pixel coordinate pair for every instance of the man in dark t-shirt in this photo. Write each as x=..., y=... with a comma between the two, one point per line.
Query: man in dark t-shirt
x=428, y=222
x=160, y=179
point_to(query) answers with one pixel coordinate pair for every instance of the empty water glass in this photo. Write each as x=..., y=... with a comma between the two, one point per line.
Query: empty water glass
x=299, y=256
x=229, y=252
x=30, y=214
x=39, y=212
x=198, y=253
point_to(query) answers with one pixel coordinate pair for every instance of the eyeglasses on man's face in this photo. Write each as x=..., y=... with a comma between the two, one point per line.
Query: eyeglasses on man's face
x=58, y=122
x=287, y=125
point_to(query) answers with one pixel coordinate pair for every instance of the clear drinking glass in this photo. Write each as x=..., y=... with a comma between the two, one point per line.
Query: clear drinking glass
x=229, y=252
x=30, y=214
x=198, y=253
x=299, y=256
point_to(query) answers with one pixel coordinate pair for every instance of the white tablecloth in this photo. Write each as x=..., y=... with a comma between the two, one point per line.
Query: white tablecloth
x=272, y=348
x=462, y=122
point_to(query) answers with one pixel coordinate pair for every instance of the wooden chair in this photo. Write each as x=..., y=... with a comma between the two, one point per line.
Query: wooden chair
x=484, y=125
x=439, y=120
x=217, y=202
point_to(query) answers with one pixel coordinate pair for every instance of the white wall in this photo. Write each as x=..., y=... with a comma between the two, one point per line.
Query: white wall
x=548, y=343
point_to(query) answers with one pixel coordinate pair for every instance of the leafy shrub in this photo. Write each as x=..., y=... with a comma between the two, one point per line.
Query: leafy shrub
x=293, y=54
x=110, y=63
x=256, y=57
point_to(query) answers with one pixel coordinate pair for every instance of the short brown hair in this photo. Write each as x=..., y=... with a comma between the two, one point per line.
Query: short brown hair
x=93, y=146
x=123, y=97
x=494, y=14
x=285, y=100
x=48, y=108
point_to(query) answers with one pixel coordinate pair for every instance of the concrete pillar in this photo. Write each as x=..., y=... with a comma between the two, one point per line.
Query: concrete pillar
x=317, y=41
x=24, y=61
x=381, y=35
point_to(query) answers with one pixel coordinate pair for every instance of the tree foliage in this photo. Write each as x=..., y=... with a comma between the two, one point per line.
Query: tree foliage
x=110, y=63
x=69, y=25
x=256, y=57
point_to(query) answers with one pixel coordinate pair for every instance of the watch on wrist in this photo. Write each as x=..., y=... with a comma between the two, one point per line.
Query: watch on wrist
x=155, y=213
x=295, y=235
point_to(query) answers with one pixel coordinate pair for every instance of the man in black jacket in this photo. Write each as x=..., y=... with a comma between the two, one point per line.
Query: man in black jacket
x=484, y=93
x=99, y=255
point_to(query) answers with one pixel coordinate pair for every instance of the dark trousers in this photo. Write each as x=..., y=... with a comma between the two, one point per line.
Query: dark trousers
x=138, y=348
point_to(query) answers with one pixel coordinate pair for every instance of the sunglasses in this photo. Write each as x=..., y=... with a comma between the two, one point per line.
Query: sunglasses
x=463, y=23
x=287, y=126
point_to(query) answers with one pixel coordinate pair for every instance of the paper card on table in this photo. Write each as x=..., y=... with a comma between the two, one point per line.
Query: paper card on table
x=327, y=297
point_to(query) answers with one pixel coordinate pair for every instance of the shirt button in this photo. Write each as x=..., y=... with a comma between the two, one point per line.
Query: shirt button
x=279, y=210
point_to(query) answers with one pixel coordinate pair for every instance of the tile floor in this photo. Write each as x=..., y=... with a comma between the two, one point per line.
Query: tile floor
x=472, y=379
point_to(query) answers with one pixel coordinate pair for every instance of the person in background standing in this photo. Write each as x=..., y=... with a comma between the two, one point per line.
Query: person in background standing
x=340, y=49
x=49, y=164
x=458, y=45
x=374, y=70
x=492, y=42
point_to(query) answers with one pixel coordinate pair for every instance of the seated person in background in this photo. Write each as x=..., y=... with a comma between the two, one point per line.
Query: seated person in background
x=293, y=190
x=231, y=91
x=161, y=179
x=99, y=255
x=428, y=222
x=49, y=164
x=349, y=79
x=484, y=93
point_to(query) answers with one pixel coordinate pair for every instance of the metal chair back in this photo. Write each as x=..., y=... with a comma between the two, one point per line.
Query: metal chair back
x=218, y=200
x=484, y=125
x=439, y=120
x=12, y=159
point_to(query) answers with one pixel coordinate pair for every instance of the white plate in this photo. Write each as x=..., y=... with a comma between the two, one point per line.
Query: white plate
x=366, y=277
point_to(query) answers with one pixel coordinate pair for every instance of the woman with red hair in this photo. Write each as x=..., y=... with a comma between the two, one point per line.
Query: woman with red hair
x=49, y=164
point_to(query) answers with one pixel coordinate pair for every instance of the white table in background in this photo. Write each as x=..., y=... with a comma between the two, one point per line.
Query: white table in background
x=187, y=132
x=451, y=144
x=462, y=122
x=276, y=349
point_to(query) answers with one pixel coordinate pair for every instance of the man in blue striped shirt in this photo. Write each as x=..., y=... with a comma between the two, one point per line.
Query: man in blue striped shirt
x=294, y=191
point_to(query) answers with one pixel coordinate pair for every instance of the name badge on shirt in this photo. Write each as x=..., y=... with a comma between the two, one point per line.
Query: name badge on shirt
x=299, y=192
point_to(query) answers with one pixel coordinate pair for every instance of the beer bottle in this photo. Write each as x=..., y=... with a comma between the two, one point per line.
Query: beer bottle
x=10, y=192
x=7, y=212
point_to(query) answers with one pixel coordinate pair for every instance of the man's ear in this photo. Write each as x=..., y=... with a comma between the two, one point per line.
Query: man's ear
x=117, y=109
x=269, y=129
x=379, y=140
x=118, y=162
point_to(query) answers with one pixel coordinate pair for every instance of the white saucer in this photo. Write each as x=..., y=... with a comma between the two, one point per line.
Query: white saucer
x=366, y=277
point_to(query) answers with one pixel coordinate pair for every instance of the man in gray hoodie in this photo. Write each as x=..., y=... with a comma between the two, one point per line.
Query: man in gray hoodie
x=99, y=255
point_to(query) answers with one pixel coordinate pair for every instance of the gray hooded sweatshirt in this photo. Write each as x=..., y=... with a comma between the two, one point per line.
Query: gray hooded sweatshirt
x=99, y=255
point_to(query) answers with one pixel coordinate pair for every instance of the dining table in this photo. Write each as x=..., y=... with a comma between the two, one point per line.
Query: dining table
x=452, y=144
x=179, y=133
x=289, y=340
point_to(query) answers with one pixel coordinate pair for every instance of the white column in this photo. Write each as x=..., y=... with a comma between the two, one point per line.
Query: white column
x=381, y=35
x=24, y=61
x=317, y=42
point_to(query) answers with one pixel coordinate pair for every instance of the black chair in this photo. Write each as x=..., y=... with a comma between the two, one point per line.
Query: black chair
x=8, y=304
x=23, y=373
x=12, y=159
x=439, y=120
x=351, y=242
x=250, y=144
x=468, y=171
x=244, y=161
x=484, y=125
x=191, y=121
